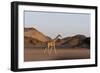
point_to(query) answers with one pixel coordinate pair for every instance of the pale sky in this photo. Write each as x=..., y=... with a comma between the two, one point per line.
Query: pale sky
x=52, y=24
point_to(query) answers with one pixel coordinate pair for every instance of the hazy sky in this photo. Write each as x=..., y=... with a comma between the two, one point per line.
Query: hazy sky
x=52, y=24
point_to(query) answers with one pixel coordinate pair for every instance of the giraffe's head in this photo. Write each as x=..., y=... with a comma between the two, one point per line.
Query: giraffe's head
x=59, y=36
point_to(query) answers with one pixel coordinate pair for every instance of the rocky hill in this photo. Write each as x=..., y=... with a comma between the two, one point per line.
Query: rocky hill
x=74, y=41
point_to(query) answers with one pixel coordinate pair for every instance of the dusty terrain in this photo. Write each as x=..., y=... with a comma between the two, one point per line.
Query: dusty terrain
x=69, y=47
x=31, y=54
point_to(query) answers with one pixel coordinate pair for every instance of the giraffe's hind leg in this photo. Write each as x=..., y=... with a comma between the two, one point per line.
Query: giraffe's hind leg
x=44, y=51
x=47, y=50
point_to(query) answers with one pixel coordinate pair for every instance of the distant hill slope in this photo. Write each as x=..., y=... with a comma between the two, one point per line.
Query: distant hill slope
x=34, y=37
x=74, y=41
x=33, y=33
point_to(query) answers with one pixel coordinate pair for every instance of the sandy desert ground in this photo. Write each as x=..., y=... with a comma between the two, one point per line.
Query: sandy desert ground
x=31, y=54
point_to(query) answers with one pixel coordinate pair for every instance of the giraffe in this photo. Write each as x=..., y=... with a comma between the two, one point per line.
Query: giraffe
x=51, y=45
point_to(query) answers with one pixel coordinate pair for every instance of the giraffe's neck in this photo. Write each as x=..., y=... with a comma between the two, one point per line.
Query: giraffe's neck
x=57, y=37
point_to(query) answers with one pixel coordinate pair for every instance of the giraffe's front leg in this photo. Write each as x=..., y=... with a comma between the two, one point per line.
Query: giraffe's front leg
x=55, y=50
x=51, y=48
x=48, y=49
